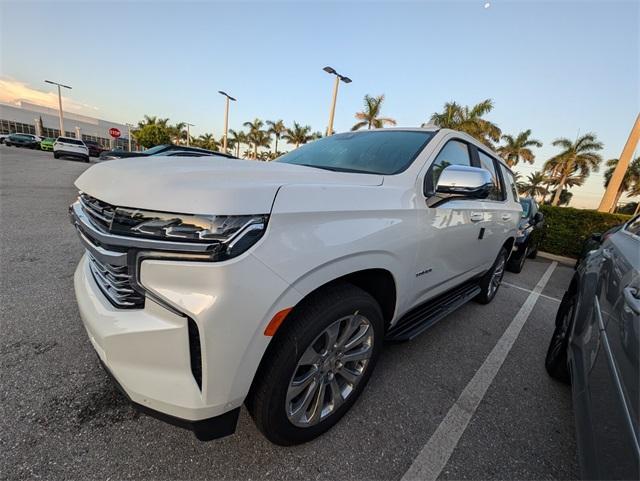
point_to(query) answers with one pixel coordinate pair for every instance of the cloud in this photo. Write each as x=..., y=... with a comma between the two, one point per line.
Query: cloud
x=13, y=91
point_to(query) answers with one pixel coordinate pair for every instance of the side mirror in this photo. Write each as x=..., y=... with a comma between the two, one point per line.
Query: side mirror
x=539, y=217
x=462, y=182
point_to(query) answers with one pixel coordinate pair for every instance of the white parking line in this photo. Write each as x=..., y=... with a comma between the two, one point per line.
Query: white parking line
x=436, y=453
x=508, y=284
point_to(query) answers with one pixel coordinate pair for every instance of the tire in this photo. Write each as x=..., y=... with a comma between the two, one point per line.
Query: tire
x=490, y=282
x=275, y=404
x=87, y=159
x=533, y=253
x=56, y=155
x=556, y=362
x=516, y=262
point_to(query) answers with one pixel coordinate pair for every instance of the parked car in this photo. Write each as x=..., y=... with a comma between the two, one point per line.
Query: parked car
x=157, y=150
x=596, y=348
x=594, y=241
x=529, y=237
x=275, y=283
x=70, y=147
x=23, y=140
x=95, y=149
x=47, y=144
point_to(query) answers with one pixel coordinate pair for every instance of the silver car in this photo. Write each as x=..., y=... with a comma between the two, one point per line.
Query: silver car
x=595, y=347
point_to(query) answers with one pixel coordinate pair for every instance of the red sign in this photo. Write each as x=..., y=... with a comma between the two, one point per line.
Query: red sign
x=113, y=132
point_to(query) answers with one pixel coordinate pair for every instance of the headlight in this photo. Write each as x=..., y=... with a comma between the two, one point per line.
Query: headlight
x=229, y=236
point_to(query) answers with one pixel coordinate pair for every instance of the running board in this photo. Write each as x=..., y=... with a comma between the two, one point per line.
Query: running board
x=421, y=318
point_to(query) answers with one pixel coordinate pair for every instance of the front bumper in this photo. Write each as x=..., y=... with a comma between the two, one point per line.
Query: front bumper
x=147, y=350
x=48, y=148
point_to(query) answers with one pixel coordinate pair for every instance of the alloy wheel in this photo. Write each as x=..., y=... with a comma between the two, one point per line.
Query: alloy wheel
x=496, y=277
x=329, y=370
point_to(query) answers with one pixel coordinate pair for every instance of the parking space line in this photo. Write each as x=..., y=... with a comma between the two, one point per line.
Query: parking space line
x=436, y=452
x=529, y=290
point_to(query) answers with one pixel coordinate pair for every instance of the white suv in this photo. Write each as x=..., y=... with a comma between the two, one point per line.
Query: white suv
x=69, y=147
x=206, y=285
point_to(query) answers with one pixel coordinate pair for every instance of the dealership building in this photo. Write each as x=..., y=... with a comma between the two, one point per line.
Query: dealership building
x=27, y=118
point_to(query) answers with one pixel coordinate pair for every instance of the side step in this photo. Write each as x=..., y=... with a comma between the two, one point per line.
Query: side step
x=421, y=318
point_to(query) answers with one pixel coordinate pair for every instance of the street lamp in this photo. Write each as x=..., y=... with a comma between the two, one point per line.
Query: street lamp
x=62, y=133
x=226, y=119
x=129, y=134
x=188, y=134
x=332, y=112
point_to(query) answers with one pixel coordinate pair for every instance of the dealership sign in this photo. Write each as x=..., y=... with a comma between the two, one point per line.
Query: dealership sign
x=113, y=132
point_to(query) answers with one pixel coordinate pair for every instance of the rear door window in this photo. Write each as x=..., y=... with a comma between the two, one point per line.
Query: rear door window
x=510, y=182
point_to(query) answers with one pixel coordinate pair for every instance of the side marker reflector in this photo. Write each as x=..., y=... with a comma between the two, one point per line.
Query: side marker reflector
x=274, y=324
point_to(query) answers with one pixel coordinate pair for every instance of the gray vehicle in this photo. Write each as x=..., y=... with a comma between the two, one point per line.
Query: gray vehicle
x=595, y=347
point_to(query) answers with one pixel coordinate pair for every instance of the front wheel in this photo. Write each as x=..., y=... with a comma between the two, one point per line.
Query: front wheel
x=317, y=365
x=516, y=261
x=490, y=282
x=56, y=155
x=556, y=361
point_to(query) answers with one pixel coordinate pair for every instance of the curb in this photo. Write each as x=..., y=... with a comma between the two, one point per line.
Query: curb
x=568, y=261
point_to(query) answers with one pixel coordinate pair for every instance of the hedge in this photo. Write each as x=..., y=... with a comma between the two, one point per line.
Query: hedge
x=567, y=228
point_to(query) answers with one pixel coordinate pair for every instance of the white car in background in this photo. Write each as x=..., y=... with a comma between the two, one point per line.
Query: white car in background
x=70, y=147
x=206, y=285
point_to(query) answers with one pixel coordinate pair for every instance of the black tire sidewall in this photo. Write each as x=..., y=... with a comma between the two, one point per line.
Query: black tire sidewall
x=301, y=330
x=484, y=297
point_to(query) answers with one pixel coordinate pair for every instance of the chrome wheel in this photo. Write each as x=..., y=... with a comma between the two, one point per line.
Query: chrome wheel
x=496, y=278
x=329, y=370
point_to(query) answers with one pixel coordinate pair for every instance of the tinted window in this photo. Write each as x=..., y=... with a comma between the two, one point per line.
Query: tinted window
x=634, y=226
x=68, y=140
x=453, y=153
x=526, y=205
x=157, y=148
x=510, y=182
x=377, y=152
x=488, y=163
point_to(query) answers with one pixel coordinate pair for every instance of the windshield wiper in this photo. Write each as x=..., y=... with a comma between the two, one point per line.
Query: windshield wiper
x=337, y=169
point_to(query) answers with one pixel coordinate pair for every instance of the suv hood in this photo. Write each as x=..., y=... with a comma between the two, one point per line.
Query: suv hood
x=203, y=185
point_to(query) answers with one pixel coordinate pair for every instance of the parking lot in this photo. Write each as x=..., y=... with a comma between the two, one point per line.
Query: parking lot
x=63, y=419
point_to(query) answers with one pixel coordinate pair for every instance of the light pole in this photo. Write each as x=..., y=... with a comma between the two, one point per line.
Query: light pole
x=188, y=134
x=129, y=134
x=60, y=104
x=332, y=112
x=226, y=119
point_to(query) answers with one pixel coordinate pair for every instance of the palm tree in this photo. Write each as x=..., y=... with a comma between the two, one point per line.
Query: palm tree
x=630, y=181
x=237, y=138
x=370, y=116
x=579, y=157
x=207, y=141
x=277, y=128
x=177, y=132
x=152, y=120
x=469, y=120
x=534, y=187
x=516, y=149
x=298, y=135
x=255, y=134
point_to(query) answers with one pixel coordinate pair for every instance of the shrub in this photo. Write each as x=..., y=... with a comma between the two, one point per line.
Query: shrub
x=567, y=228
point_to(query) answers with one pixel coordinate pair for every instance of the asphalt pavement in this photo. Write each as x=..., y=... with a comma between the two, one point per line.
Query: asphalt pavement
x=61, y=418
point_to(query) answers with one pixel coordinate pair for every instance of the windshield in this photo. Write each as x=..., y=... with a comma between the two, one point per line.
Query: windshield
x=155, y=149
x=378, y=152
x=525, y=207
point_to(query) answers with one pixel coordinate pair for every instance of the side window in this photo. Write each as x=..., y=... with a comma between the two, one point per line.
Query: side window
x=453, y=153
x=510, y=180
x=488, y=163
x=634, y=226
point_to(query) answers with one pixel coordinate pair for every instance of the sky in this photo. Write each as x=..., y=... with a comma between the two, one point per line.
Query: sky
x=559, y=68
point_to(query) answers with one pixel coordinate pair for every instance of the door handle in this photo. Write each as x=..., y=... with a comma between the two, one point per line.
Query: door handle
x=477, y=216
x=631, y=299
x=506, y=216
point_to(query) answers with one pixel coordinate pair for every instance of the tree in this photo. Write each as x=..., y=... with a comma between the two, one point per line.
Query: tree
x=153, y=120
x=207, y=141
x=177, y=132
x=517, y=148
x=370, y=116
x=579, y=157
x=298, y=135
x=256, y=135
x=238, y=138
x=277, y=128
x=534, y=186
x=631, y=180
x=469, y=120
x=151, y=135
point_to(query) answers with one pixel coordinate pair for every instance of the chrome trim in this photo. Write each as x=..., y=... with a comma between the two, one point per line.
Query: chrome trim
x=80, y=219
x=102, y=254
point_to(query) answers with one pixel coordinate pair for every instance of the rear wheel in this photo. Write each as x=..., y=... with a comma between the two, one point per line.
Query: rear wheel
x=556, y=362
x=317, y=365
x=490, y=282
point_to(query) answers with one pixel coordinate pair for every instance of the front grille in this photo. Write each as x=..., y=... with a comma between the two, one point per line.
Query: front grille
x=99, y=212
x=115, y=284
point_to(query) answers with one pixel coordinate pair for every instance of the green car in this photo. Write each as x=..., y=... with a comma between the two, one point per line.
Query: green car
x=47, y=143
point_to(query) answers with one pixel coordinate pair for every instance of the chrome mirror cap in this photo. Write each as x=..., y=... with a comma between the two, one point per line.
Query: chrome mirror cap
x=461, y=180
